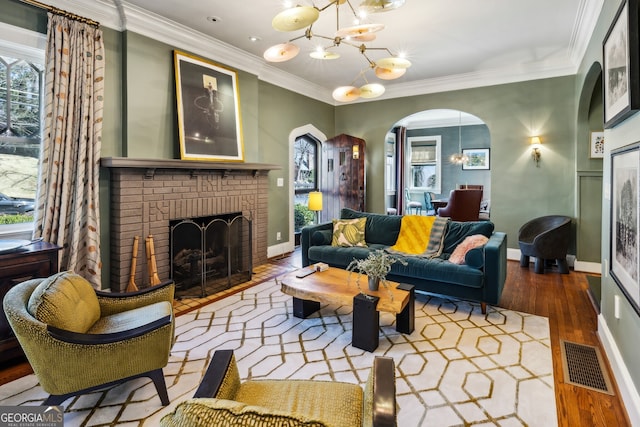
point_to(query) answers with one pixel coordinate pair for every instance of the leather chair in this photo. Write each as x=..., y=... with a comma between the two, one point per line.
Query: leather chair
x=222, y=399
x=79, y=340
x=547, y=239
x=463, y=205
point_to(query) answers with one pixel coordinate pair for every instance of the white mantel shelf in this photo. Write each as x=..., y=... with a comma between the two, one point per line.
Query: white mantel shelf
x=152, y=164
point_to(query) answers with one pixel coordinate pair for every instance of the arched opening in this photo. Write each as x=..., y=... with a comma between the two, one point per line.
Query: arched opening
x=590, y=123
x=301, y=141
x=423, y=160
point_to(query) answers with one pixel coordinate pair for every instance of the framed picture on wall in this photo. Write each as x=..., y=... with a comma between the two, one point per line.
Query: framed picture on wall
x=208, y=101
x=620, y=65
x=478, y=158
x=597, y=145
x=625, y=167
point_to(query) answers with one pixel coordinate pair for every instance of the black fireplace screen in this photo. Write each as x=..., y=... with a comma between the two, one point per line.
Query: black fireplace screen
x=210, y=254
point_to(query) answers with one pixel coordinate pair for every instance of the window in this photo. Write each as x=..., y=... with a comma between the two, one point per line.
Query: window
x=305, y=178
x=21, y=91
x=424, y=158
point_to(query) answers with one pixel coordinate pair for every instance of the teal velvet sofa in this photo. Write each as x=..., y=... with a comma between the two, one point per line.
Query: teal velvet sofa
x=481, y=278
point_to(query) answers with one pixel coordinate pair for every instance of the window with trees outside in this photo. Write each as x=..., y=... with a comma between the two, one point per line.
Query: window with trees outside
x=305, y=178
x=21, y=87
x=424, y=153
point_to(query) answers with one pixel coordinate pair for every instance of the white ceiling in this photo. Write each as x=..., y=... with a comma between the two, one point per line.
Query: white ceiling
x=452, y=44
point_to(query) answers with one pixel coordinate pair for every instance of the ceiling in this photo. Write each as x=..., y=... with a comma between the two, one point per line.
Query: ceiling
x=451, y=44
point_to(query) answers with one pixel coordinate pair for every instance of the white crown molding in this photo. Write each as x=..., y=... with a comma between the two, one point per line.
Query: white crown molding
x=586, y=21
x=159, y=28
x=476, y=79
x=103, y=11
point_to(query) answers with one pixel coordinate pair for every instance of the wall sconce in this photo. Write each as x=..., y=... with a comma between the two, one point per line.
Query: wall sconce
x=535, y=149
x=315, y=203
x=356, y=152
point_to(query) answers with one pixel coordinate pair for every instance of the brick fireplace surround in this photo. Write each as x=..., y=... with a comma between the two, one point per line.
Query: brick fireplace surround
x=148, y=193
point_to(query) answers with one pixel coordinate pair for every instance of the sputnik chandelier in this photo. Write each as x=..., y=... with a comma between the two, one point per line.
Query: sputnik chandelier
x=303, y=17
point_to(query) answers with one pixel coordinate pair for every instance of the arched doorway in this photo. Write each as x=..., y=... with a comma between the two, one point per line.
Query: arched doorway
x=419, y=152
x=311, y=135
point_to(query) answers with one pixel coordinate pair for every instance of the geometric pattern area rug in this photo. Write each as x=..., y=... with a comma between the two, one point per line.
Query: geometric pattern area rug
x=459, y=367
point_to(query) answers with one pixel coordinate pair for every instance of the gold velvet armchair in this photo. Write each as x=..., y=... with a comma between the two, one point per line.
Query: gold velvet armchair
x=222, y=400
x=79, y=340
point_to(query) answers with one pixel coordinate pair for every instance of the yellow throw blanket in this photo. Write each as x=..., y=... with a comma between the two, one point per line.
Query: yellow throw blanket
x=420, y=235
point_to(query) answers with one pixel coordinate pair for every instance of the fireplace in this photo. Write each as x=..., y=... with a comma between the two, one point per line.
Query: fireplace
x=210, y=254
x=148, y=196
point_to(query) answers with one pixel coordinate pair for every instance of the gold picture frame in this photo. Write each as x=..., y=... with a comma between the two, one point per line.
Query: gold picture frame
x=208, y=101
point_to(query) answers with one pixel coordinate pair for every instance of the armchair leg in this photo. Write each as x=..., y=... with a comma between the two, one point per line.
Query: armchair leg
x=524, y=260
x=156, y=376
x=161, y=387
x=562, y=266
x=539, y=266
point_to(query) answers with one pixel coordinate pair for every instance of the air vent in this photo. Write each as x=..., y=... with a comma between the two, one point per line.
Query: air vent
x=583, y=366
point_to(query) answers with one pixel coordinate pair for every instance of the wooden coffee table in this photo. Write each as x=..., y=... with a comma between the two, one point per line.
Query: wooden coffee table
x=332, y=287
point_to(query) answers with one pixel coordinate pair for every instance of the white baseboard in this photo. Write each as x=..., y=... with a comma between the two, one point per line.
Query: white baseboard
x=280, y=249
x=587, y=267
x=583, y=266
x=628, y=391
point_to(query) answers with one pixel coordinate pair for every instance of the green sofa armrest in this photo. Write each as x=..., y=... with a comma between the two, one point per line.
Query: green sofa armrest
x=306, y=238
x=495, y=267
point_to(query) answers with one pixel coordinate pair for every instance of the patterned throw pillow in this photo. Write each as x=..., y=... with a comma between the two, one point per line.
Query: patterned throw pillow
x=470, y=242
x=348, y=232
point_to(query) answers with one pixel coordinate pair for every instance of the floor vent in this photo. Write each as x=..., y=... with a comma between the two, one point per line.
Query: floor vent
x=583, y=366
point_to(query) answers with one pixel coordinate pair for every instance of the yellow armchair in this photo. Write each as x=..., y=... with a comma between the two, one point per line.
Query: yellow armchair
x=222, y=399
x=79, y=340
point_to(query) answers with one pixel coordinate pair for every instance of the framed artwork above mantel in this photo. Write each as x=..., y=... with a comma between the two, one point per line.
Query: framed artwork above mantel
x=208, y=101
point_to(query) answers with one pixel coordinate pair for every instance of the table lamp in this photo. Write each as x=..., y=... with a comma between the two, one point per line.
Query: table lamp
x=315, y=203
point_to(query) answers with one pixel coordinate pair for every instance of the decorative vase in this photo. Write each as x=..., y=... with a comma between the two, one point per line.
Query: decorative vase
x=374, y=283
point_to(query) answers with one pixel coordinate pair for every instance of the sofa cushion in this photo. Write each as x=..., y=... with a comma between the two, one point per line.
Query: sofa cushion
x=379, y=229
x=458, y=231
x=65, y=300
x=437, y=270
x=321, y=237
x=220, y=412
x=348, y=232
x=470, y=242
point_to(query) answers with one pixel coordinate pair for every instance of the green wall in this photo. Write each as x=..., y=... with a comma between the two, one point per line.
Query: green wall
x=513, y=112
x=622, y=332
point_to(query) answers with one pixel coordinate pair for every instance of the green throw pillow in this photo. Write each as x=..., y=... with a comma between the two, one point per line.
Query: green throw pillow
x=348, y=232
x=65, y=300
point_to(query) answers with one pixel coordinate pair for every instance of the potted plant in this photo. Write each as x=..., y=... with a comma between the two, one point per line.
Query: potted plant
x=376, y=266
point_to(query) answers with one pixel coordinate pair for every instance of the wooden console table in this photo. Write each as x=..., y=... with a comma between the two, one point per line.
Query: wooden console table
x=36, y=260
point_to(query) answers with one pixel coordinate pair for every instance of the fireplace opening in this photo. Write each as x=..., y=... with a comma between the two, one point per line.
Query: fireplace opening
x=210, y=254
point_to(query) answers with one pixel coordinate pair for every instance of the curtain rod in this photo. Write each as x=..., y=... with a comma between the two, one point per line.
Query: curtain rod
x=61, y=12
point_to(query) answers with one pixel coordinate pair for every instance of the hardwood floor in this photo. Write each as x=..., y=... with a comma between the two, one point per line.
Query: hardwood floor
x=563, y=298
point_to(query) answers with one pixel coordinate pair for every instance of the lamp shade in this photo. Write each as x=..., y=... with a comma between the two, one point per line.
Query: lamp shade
x=346, y=93
x=295, y=18
x=371, y=90
x=389, y=73
x=281, y=52
x=315, y=201
x=535, y=141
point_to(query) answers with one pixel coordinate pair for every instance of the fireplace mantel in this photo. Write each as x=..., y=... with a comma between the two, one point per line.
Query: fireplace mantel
x=152, y=164
x=147, y=194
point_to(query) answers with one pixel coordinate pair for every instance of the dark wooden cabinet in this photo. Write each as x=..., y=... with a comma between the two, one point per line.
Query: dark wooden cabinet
x=37, y=260
x=343, y=175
